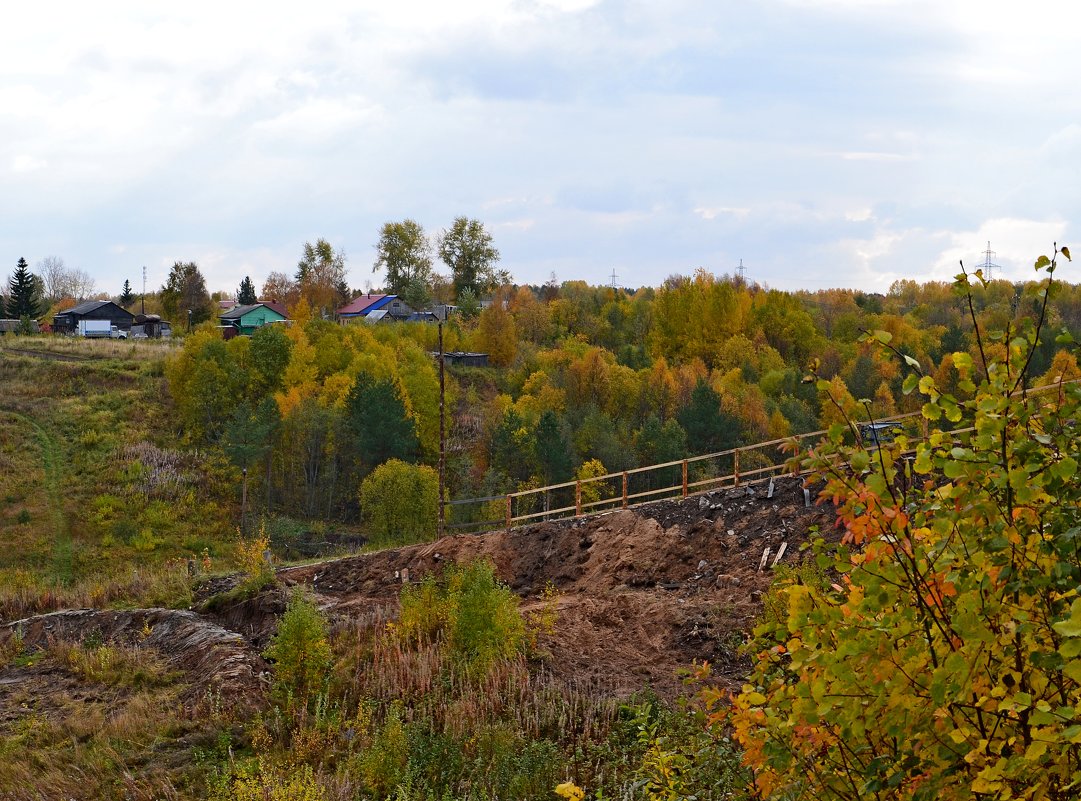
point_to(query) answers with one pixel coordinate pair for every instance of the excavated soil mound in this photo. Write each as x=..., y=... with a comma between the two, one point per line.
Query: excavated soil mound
x=641, y=593
x=214, y=660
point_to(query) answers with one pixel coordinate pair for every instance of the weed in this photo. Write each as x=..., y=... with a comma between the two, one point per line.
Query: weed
x=11, y=647
x=542, y=622
x=112, y=664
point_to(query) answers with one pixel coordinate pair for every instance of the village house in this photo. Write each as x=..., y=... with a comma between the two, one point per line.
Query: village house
x=374, y=307
x=245, y=320
x=67, y=321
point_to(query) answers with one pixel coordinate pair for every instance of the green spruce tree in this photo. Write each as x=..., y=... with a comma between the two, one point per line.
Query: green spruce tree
x=127, y=297
x=709, y=430
x=24, y=300
x=553, y=450
x=246, y=296
x=380, y=426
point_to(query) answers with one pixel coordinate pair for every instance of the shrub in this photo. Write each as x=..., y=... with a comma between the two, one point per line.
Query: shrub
x=400, y=502
x=300, y=651
x=267, y=783
x=476, y=614
x=945, y=663
x=252, y=556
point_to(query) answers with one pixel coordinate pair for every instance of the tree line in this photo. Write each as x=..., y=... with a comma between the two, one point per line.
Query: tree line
x=584, y=380
x=403, y=251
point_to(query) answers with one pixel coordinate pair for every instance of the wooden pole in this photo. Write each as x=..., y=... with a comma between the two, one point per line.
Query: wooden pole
x=442, y=440
x=684, y=478
x=508, y=513
x=578, y=499
x=624, y=489
x=735, y=465
x=244, y=499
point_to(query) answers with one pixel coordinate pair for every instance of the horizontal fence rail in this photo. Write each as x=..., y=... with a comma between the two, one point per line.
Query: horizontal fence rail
x=624, y=489
x=682, y=478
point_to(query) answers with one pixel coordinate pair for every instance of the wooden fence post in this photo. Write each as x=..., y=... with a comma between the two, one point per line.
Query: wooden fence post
x=508, y=513
x=735, y=467
x=624, y=489
x=578, y=499
x=684, y=478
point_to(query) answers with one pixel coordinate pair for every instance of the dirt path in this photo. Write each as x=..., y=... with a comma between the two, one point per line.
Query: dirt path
x=53, y=464
x=44, y=354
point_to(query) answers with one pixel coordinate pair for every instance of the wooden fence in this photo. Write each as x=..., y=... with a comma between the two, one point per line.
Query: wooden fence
x=679, y=479
x=682, y=478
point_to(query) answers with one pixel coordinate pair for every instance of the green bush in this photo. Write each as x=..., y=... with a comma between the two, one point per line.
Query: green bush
x=477, y=615
x=300, y=651
x=400, y=502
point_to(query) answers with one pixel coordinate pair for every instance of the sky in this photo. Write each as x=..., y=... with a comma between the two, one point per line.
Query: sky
x=823, y=143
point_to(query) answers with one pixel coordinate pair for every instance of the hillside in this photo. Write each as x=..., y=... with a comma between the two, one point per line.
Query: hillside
x=93, y=479
x=638, y=595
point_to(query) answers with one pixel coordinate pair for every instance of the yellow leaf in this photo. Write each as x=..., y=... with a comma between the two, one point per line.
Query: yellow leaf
x=1036, y=750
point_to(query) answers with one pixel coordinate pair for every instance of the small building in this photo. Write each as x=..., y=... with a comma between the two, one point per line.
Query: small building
x=360, y=308
x=247, y=319
x=151, y=326
x=460, y=358
x=67, y=322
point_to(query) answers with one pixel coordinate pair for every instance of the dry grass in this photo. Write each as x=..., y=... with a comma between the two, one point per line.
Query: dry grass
x=24, y=593
x=90, y=723
x=127, y=349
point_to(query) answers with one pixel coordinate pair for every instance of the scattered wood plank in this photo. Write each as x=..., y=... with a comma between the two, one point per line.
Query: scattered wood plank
x=780, y=553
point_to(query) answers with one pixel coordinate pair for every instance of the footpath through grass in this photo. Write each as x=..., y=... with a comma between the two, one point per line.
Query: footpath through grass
x=100, y=503
x=51, y=458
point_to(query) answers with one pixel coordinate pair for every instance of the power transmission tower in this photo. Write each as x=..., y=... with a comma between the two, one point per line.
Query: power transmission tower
x=988, y=265
x=612, y=283
x=741, y=273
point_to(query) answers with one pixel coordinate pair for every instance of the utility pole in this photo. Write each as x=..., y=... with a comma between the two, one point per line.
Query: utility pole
x=142, y=298
x=442, y=438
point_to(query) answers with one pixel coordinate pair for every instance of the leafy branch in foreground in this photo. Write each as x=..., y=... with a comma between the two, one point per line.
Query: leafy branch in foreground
x=945, y=660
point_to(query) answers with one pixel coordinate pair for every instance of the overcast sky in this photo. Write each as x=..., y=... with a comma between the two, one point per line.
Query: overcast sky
x=823, y=142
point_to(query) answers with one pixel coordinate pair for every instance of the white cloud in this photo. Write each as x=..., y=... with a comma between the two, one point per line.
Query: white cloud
x=863, y=155
x=712, y=212
x=835, y=141
x=1016, y=244
x=25, y=163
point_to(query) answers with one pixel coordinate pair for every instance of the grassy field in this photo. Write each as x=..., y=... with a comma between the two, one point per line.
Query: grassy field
x=98, y=504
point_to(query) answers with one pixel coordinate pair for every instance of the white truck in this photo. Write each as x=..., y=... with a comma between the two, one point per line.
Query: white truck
x=95, y=328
